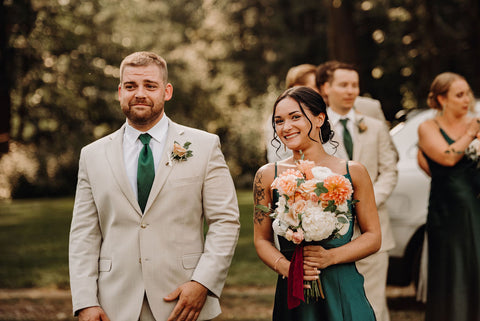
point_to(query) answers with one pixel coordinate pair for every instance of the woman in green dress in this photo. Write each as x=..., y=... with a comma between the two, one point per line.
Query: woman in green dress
x=453, y=221
x=300, y=122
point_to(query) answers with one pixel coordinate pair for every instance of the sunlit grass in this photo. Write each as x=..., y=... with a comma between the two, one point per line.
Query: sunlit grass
x=34, y=245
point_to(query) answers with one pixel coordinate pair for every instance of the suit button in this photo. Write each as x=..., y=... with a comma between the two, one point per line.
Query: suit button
x=143, y=225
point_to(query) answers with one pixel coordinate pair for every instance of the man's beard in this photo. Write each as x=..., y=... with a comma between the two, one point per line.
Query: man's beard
x=143, y=117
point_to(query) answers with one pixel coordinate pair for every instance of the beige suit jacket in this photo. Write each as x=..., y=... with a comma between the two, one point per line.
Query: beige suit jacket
x=369, y=107
x=375, y=150
x=117, y=254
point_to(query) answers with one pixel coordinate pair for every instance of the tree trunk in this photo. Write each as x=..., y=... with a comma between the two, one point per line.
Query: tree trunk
x=4, y=83
x=341, y=32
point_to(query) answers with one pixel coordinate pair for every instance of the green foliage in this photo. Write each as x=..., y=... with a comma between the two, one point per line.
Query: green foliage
x=227, y=63
x=34, y=237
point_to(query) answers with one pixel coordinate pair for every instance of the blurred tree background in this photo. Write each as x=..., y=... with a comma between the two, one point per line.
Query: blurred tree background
x=227, y=61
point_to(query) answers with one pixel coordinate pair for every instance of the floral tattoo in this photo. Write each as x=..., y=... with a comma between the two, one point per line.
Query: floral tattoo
x=259, y=195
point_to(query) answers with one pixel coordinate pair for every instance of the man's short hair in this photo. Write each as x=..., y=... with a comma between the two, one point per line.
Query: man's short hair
x=144, y=58
x=324, y=72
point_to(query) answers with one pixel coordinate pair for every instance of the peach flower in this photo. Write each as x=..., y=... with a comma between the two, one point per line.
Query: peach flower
x=305, y=166
x=298, y=236
x=308, y=187
x=339, y=189
x=179, y=150
x=286, y=183
x=298, y=206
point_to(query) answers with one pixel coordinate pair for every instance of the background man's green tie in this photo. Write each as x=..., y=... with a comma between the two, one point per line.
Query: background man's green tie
x=347, y=138
x=145, y=171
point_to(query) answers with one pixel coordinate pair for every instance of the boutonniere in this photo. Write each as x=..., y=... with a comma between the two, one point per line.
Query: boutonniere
x=361, y=125
x=180, y=153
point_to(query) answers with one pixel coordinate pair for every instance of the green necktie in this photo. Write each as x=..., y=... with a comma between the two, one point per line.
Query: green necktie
x=347, y=138
x=145, y=171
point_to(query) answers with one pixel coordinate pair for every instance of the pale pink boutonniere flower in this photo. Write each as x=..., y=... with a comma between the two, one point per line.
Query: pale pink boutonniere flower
x=179, y=153
x=361, y=125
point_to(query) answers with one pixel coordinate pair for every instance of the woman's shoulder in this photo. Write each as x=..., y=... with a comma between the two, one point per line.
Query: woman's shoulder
x=271, y=170
x=431, y=123
x=266, y=174
x=357, y=170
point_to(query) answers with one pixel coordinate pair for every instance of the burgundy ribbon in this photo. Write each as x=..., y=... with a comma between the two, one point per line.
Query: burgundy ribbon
x=295, y=279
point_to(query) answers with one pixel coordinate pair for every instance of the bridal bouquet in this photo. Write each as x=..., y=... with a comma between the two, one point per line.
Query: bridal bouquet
x=473, y=152
x=313, y=206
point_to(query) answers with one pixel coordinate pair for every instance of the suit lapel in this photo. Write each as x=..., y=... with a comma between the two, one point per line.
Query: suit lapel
x=114, y=153
x=357, y=139
x=166, y=165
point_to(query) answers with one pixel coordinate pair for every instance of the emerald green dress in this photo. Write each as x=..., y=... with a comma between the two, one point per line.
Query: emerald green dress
x=342, y=285
x=453, y=227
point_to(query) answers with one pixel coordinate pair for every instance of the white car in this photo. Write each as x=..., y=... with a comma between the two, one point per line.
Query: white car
x=408, y=203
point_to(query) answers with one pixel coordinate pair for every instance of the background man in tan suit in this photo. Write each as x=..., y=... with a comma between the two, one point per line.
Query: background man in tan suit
x=305, y=75
x=137, y=256
x=372, y=146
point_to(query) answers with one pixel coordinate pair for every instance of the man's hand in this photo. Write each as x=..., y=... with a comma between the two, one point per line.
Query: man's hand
x=191, y=298
x=92, y=314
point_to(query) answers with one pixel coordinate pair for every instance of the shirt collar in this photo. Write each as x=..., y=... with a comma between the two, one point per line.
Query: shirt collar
x=335, y=117
x=158, y=132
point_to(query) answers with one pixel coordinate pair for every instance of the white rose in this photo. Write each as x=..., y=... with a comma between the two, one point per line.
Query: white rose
x=317, y=224
x=320, y=172
x=475, y=146
x=279, y=227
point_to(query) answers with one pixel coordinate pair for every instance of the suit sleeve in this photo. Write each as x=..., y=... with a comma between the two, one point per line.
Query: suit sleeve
x=220, y=208
x=84, y=246
x=387, y=167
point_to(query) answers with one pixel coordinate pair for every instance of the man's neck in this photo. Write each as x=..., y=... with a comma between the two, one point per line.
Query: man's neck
x=340, y=111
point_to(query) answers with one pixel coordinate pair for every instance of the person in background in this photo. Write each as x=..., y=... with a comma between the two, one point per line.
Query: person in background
x=366, y=140
x=453, y=220
x=300, y=121
x=137, y=245
x=301, y=75
x=364, y=105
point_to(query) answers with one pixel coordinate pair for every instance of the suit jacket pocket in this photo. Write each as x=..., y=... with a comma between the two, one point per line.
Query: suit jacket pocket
x=104, y=265
x=189, y=261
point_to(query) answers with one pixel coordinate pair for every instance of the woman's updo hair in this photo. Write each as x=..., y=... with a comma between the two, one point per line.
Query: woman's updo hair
x=306, y=97
x=440, y=86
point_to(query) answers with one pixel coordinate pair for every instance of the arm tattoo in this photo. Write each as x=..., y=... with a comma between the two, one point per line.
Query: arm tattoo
x=259, y=195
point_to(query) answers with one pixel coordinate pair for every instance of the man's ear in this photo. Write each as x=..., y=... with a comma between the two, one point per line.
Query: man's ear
x=168, y=92
x=325, y=89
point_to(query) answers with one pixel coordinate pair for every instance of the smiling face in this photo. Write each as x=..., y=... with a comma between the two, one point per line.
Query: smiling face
x=294, y=128
x=458, y=97
x=342, y=90
x=142, y=95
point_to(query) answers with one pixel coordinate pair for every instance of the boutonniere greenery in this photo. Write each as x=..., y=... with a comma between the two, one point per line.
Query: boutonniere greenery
x=361, y=125
x=181, y=153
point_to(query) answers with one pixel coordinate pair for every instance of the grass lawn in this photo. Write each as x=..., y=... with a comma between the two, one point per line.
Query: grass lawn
x=34, y=245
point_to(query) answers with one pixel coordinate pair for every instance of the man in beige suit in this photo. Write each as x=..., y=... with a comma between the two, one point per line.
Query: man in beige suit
x=370, y=145
x=137, y=245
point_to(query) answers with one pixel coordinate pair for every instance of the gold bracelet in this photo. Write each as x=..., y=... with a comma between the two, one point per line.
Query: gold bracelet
x=276, y=261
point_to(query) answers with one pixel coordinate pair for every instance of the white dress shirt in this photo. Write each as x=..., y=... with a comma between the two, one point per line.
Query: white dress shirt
x=132, y=146
x=337, y=127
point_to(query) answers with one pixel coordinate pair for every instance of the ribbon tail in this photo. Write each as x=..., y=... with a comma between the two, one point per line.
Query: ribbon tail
x=295, y=279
